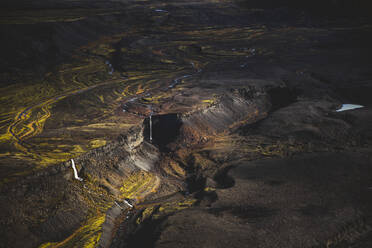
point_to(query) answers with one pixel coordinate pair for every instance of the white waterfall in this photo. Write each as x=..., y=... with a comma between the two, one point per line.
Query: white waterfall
x=75, y=171
x=126, y=202
x=150, y=127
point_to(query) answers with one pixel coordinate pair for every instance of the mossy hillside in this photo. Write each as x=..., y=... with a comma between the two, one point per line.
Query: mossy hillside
x=99, y=200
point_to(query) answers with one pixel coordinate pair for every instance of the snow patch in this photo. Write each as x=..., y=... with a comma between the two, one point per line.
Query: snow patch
x=346, y=107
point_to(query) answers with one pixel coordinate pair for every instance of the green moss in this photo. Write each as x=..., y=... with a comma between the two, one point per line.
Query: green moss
x=136, y=184
x=145, y=214
x=86, y=236
x=172, y=207
x=97, y=143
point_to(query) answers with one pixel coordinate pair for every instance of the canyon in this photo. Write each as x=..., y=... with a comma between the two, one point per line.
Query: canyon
x=189, y=124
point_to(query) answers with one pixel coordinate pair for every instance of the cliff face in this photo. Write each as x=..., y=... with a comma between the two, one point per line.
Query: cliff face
x=50, y=204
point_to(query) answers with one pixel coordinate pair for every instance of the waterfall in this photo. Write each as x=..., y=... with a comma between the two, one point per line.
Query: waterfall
x=75, y=171
x=110, y=66
x=127, y=202
x=150, y=127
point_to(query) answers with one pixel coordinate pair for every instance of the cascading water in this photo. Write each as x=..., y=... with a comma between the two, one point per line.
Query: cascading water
x=110, y=66
x=150, y=124
x=150, y=127
x=75, y=171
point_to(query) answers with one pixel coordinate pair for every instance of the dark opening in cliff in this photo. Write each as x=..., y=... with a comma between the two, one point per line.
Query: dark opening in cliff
x=164, y=129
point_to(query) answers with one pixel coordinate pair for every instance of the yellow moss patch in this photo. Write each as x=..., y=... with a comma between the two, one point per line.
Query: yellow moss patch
x=86, y=236
x=209, y=189
x=97, y=143
x=53, y=158
x=5, y=154
x=137, y=184
x=154, y=99
x=167, y=61
x=78, y=149
x=202, y=161
x=175, y=206
x=209, y=101
x=168, y=170
x=5, y=137
x=145, y=214
x=140, y=90
x=101, y=98
x=280, y=149
x=177, y=168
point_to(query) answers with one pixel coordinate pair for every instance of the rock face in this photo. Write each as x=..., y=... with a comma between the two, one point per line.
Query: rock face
x=245, y=105
x=63, y=203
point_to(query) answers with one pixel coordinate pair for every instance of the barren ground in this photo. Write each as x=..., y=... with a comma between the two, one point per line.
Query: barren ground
x=217, y=119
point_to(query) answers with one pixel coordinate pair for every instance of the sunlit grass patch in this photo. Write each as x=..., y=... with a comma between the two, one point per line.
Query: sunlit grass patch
x=137, y=184
x=86, y=236
x=171, y=207
x=209, y=101
x=202, y=161
x=145, y=214
x=154, y=99
x=5, y=137
x=172, y=168
x=98, y=201
x=97, y=143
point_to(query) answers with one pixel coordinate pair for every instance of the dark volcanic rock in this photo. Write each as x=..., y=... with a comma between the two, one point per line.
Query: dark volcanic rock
x=246, y=147
x=313, y=190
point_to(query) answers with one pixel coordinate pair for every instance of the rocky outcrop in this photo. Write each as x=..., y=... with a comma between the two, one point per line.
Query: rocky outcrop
x=50, y=204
